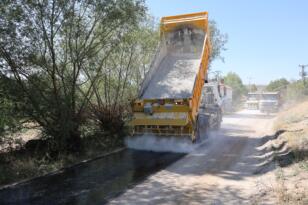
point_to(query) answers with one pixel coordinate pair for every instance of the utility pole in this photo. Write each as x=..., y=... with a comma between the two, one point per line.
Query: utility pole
x=303, y=74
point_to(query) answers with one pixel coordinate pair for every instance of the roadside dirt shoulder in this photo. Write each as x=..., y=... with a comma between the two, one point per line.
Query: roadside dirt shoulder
x=289, y=153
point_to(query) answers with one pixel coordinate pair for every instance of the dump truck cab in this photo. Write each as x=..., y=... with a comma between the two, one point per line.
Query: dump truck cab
x=212, y=101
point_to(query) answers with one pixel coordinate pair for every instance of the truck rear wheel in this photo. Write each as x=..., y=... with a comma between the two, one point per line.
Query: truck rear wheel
x=202, y=125
x=196, y=134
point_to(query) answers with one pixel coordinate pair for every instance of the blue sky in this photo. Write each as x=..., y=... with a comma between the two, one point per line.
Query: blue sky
x=268, y=39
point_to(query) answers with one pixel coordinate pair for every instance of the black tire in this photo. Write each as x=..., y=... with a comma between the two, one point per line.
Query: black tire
x=197, y=131
x=202, y=127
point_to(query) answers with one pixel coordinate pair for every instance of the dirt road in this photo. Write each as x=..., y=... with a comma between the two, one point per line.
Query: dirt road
x=223, y=170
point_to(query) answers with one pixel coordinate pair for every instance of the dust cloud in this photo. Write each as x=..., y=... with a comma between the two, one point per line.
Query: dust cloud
x=176, y=144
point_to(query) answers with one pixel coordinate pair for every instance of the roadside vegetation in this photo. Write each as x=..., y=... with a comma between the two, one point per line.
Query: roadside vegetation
x=68, y=73
x=238, y=88
x=291, y=176
x=292, y=91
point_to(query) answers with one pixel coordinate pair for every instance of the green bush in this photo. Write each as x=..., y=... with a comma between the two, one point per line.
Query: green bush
x=10, y=108
x=277, y=85
x=238, y=88
x=297, y=91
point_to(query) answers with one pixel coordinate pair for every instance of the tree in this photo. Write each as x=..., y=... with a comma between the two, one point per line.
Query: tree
x=296, y=90
x=10, y=107
x=235, y=82
x=218, y=42
x=253, y=88
x=277, y=85
x=121, y=76
x=53, y=48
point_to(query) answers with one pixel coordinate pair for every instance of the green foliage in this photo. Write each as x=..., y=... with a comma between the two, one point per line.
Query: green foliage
x=253, y=88
x=296, y=91
x=277, y=85
x=218, y=41
x=6, y=109
x=53, y=48
x=235, y=82
x=121, y=75
x=10, y=107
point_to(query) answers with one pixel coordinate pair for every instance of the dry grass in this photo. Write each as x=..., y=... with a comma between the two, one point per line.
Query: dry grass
x=291, y=185
x=295, y=121
x=292, y=181
x=294, y=114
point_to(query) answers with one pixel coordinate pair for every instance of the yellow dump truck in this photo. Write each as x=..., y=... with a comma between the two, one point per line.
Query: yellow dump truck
x=170, y=95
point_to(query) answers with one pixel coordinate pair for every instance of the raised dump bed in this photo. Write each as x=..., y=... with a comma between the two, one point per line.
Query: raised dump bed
x=169, y=96
x=174, y=79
